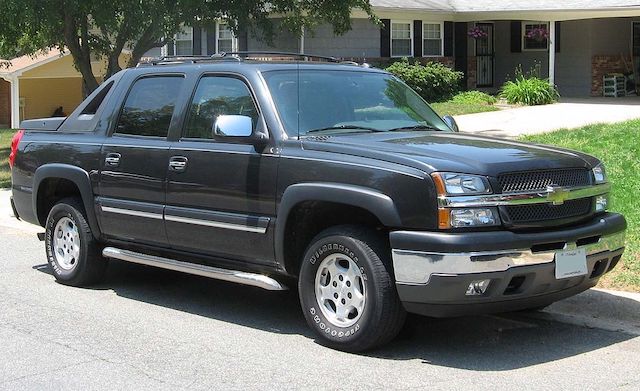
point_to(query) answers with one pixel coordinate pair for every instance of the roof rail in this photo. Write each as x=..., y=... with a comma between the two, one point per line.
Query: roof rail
x=239, y=56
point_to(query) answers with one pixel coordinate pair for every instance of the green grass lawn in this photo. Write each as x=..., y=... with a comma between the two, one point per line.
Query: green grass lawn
x=5, y=148
x=618, y=146
x=452, y=108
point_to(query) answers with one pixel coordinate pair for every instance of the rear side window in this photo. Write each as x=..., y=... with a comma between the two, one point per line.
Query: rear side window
x=216, y=96
x=149, y=106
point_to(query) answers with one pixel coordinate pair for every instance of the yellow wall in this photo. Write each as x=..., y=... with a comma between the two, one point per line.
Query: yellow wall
x=63, y=67
x=54, y=84
x=42, y=96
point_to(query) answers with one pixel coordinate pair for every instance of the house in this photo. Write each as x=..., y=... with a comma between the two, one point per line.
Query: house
x=35, y=86
x=574, y=43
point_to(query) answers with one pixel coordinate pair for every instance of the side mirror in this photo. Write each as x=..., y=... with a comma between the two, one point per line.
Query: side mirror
x=451, y=123
x=233, y=126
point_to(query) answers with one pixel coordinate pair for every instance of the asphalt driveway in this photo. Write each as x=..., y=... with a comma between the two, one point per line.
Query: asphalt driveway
x=569, y=113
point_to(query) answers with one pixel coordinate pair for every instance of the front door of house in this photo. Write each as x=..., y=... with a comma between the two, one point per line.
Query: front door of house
x=484, y=56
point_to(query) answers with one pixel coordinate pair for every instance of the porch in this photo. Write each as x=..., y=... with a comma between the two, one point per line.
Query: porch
x=575, y=57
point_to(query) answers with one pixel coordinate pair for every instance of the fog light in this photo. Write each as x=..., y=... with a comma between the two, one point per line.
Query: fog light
x=474, y=217
x=478, y=288
x=601, y=203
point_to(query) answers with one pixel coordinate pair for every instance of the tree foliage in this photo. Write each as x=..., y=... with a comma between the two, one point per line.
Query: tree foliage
x=99, y=28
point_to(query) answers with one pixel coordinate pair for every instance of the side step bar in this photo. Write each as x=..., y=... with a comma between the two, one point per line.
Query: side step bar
x=257, y=280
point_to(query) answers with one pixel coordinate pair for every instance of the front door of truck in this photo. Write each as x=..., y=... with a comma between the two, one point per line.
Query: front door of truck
x=221, y=191
x=134, y=162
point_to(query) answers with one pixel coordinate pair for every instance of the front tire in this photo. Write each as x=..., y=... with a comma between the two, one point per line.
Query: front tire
x=72, y=252
x=347, y=289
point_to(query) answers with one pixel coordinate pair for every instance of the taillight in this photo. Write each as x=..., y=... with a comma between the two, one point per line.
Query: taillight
x=14, y=147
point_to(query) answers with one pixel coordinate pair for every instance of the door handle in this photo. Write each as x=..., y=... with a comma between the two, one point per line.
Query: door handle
x=178, y=163
x=112, y=160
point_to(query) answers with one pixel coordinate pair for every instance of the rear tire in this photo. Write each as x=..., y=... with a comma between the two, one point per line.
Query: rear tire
x=347, y=289
x=72, y=252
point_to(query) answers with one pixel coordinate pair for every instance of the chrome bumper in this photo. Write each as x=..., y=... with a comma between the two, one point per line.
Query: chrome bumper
x=417, y=267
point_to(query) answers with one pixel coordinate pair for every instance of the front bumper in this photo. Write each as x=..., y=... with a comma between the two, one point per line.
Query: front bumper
x=434, y=269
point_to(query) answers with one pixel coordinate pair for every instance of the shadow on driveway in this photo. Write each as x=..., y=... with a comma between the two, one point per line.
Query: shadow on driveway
x=482, y=343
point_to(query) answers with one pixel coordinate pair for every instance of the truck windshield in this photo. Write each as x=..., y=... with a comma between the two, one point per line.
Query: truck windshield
x=339, y=101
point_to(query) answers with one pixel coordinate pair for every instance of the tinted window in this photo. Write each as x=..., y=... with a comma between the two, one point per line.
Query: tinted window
x=216, y=96
x=149, y=106
x=315, y=99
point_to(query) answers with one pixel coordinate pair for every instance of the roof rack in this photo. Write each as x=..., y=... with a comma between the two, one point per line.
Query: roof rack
x=240, y=56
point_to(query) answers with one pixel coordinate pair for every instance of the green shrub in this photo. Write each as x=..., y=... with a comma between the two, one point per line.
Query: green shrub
x=473, y=97
x=434, y=81
x=529, y=89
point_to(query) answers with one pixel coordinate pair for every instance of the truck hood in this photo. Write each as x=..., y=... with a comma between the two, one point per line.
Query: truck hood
x=453, y=152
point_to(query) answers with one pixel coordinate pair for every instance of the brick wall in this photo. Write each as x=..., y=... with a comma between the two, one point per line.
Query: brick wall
x=472, y=69
x=5, y=103
x=600, y=66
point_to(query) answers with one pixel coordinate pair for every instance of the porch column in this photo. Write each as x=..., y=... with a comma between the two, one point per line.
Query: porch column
x=552, y=52
x=15, y=102
x=302, y=41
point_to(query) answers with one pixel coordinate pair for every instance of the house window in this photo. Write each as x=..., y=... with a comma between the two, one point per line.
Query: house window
x=535, y=36
x=432, y=39
x=184, y=42
x=225, y=39
x=401, y=39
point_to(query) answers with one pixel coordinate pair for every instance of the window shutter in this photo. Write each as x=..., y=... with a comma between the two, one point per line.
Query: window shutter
x=211, y=39
x=385, y=38
x=516, y=36
x=171, y=48
x=243, y=40
x=448, y=39
x=557, y=37
x=461, y=47
x=417, y=38
x=197, y=41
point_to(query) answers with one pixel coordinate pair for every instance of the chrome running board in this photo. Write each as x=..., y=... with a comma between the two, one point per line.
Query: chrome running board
x=257, y=280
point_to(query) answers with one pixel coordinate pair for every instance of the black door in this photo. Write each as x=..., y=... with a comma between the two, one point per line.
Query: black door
x=485, y=56
x=134, y=163
x=221, y=191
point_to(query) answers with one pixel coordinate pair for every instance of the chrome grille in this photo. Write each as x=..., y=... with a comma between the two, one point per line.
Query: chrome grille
x=547, y=212
x=515, y=182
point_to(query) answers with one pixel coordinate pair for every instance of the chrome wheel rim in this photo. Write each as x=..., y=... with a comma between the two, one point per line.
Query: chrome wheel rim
x=66, y=243
x=340, y=290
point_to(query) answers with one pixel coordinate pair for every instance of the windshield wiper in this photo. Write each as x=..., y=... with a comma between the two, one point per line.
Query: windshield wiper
x=415, y=127
x=341, y=127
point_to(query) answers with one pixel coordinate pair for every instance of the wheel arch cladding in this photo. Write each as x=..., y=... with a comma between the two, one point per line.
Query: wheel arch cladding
x=377, y=204
x=77, y=176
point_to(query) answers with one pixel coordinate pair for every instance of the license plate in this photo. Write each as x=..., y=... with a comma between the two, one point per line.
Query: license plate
x=571, y=263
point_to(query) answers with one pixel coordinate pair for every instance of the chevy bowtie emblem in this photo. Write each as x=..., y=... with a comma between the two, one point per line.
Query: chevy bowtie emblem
x=557, y=194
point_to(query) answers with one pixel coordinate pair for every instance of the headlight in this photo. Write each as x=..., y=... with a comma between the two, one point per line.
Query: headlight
x=602, y=202
x=461, y=184
x=600, y=174
x=477, y=217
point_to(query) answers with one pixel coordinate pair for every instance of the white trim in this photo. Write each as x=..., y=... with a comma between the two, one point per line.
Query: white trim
x=234, y=39
x=410, y=22
x=175, y=42
x=524, y=31
x=15, y=103
x=441, y=39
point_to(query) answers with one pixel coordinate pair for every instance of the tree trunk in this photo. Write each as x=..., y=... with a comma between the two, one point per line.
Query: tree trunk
x=80, y=54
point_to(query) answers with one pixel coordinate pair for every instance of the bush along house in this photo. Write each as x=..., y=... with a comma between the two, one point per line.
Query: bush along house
x=573, y=43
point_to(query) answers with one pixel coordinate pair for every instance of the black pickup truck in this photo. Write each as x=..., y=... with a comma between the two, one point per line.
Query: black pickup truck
x=333, y=176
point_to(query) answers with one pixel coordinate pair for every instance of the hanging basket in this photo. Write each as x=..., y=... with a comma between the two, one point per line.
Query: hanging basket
x=477, y=33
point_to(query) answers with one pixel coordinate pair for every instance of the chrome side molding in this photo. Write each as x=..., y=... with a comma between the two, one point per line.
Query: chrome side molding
x=240, y=277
